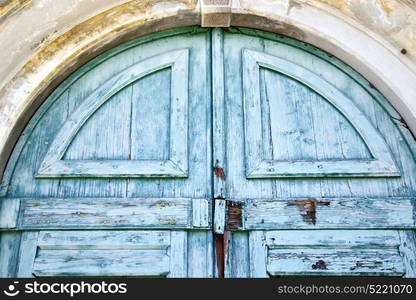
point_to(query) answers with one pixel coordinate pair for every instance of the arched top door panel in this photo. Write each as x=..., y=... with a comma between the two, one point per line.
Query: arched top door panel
x=175, y=162
x=276, y=93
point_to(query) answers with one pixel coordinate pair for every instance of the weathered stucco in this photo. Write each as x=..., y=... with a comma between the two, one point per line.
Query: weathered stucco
x=43, y=41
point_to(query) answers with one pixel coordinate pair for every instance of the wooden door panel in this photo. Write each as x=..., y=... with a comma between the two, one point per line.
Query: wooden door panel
x=308, y=144
x=327, y=213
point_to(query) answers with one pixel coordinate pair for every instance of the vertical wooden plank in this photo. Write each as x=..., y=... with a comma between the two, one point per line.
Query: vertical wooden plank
x=218, y=145
x=9, y=250
x=150, y=123
x=408, y=252
x=218, y=116
x=258, y=255
x=9, y=212
x=27, y=253
x=178, y=254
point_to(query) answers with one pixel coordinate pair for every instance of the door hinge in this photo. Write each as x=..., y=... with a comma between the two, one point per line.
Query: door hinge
x=227, y=215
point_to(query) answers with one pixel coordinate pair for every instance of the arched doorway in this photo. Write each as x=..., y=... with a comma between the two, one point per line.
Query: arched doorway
x=288, y=155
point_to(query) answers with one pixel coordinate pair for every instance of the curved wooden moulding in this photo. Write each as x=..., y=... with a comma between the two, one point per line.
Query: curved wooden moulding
x=54, y=165
x=380, y=164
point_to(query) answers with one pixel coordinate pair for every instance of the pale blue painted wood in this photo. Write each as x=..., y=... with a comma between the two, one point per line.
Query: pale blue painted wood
x=218, y=114
x=87, y=213
x=104, y=240
x=104, y=253
x=325, y=252
x=219, y=216
x=201, y=213
x=215, y=128
x=101, y=263
x=119, y=130
x=324, y=213
x=380, y=164
x=345, y=239
x=27, y=253
x=178, y=254
x=175, y=166
x=9, y=252
x=335, y=262
x=150, y=137
x=238, y=256
x=407, y=250
x=258, y=255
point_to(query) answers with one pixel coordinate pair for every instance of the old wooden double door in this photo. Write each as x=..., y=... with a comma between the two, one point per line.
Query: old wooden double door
x=197, y=153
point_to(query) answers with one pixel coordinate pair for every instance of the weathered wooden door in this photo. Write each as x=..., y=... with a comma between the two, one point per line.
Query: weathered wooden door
x=295, y=162
x=113, y=174
x=319, y=170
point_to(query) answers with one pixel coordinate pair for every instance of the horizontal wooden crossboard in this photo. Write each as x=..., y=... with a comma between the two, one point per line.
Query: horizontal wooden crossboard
x=120, y=213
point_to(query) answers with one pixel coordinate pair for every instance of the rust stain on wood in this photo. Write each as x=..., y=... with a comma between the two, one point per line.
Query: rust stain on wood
x=234, y=215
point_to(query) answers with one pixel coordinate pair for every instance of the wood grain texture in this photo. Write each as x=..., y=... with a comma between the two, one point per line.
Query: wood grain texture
x=335, y=262
x=258, y=255
x=86, y=213
x=104, y=240
x=218, y=114
x=340, y=239
x=175, y=166
x=380, y=164
x=9, y=250
x=219, y=216
x=327, y=213
x=133, y=124
x=408, y=250
x=299, y=120
x=201, y=211
x=27, y=253
x=178, y=254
